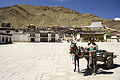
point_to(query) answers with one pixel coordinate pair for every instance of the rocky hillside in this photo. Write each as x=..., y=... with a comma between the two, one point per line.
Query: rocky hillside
x=41, y=16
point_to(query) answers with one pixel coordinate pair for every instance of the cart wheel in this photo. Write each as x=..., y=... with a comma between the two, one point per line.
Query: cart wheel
x=109, y=63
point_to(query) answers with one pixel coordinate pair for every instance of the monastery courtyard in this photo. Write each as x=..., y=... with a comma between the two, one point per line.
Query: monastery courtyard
x=50, y=61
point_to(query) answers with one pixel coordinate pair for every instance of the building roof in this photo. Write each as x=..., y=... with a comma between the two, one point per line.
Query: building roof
x=5, y=34
x=92, y=32
x=6, y=28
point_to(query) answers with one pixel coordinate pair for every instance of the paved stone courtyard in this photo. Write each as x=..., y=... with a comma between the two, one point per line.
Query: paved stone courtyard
x=50, y=61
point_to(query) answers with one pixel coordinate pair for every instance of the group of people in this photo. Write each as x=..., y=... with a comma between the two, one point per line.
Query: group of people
x=89, y=53
x=92, y=46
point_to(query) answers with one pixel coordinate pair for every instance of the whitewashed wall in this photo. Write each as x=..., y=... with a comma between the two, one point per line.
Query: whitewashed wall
x=16, y=37
x=56, y=36
x=49, y=37
x=20, y=37
x=112, y=40
x=26, y=37
x=37, y=39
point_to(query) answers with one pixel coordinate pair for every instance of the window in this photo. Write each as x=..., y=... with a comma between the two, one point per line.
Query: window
x=44, y=35
x=52, y=35
x=32, y=35
x=3, y=39
x=7, y=31
x=0, y=39
x=6, y=25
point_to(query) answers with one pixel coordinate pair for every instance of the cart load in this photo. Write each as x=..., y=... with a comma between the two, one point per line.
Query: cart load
x=106, y=57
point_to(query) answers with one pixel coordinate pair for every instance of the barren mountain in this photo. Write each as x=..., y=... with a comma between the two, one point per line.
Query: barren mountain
x=21, y=16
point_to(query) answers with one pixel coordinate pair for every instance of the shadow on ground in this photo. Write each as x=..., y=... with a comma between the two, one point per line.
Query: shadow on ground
x=103, y=70
x=113, y=67
x=7, y=44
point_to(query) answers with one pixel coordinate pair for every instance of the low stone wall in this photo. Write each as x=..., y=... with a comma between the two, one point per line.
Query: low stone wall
x=112, y=40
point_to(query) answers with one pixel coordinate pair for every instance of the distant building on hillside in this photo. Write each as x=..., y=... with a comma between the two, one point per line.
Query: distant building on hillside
x=93, y=31
x=95, y=24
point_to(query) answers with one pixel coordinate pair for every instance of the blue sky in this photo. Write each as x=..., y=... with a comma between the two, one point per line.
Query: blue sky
x=108, y=9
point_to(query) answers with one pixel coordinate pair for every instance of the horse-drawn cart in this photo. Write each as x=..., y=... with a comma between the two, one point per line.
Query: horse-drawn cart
x=102, y=56
x=106, y=57
x=92, y=57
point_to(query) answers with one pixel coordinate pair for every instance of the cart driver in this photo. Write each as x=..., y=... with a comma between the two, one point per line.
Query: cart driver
x=93, y=48
x=92, y=45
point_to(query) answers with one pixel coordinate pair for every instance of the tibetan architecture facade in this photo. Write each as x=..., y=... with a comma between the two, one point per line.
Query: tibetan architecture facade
x=32, y=34
x=49, y=34
x=6, y=33
x=5, y=38
x=42, y=36
x=98, y=35
x=94, y=30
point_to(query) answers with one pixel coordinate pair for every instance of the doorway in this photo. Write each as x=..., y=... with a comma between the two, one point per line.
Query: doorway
x=52, y=39
x=32, y=39
x=6, y=40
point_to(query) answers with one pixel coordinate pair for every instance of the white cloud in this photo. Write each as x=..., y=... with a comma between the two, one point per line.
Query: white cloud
x=117, y=19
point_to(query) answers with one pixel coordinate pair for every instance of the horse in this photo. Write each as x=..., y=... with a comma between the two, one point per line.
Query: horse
x=79, y=53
